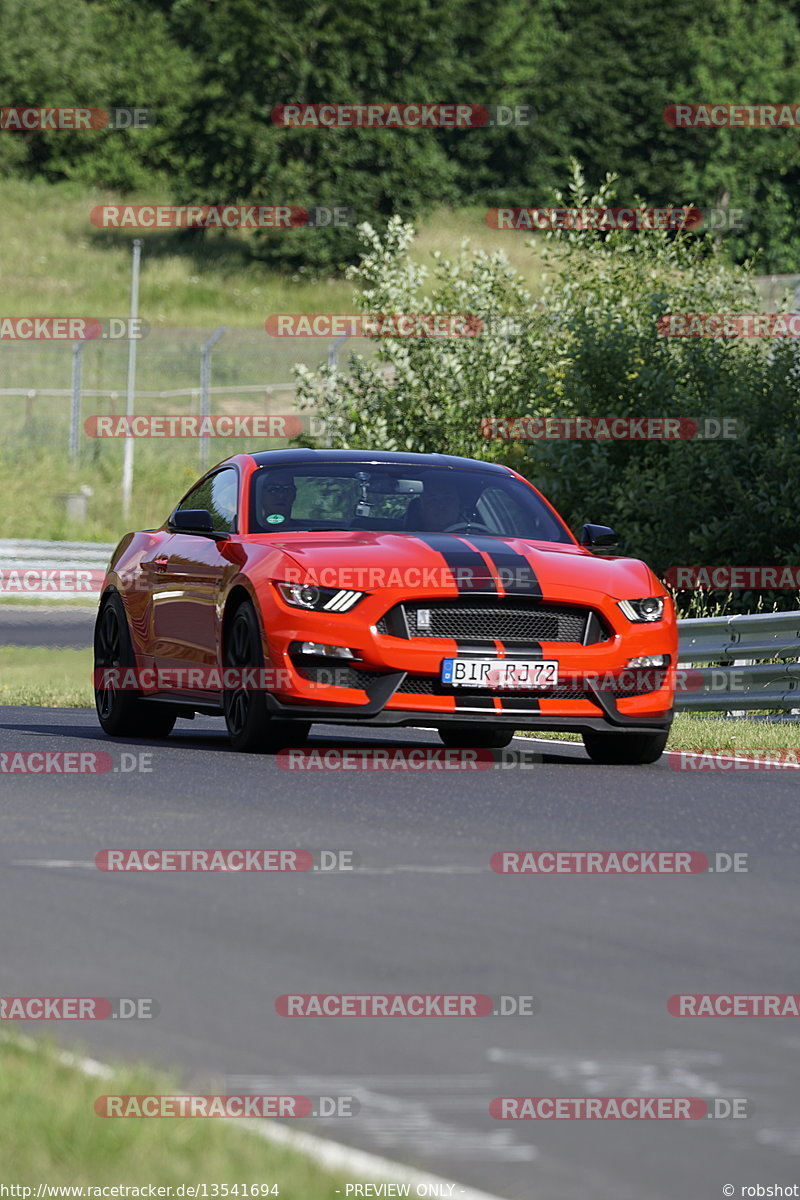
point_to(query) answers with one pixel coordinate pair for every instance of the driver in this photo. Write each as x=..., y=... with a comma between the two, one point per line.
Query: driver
x=441, y=503
x=276, y=497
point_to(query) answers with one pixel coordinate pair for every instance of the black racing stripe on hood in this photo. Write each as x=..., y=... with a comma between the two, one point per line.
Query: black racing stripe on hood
x=516, y=573
x=469, y=568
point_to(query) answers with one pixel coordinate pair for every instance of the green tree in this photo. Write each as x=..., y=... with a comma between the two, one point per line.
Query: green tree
x=112, y=55
x=262, y=54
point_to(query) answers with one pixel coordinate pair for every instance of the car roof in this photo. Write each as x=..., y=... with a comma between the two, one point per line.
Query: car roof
x=278, y=458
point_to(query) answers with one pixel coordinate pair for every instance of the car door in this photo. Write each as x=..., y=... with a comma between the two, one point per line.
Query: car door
x=189, y=570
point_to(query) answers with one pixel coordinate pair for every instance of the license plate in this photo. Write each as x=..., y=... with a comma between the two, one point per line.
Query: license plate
x=505, y=674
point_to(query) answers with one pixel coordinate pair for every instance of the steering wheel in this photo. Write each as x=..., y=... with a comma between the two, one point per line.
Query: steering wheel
x=467, y=525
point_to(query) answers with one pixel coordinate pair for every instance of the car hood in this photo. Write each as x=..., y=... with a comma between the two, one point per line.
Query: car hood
x=336, y=559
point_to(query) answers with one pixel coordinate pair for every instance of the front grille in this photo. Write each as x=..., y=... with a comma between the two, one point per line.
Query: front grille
x=474, y=620
x=427, y=685
x=642, y=683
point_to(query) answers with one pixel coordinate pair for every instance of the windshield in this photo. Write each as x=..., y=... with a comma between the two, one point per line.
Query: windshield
x=399, y=498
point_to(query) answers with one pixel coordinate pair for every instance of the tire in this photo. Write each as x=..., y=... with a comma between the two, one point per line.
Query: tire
x=250, y=727
x=633, y=749
x=478, y=737
x=124, y=714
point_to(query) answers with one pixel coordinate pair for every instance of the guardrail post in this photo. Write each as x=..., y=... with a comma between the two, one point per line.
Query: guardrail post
x=740, y=662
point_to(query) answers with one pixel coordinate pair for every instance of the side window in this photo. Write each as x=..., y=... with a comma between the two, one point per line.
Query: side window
x=218, y=494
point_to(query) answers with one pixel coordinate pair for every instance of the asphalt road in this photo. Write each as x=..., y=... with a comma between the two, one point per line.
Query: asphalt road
x=425, y=913
x=68, y=626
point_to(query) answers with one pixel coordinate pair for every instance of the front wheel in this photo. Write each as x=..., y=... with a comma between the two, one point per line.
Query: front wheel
x=250, y=727
x=479, y=737
x=120, y=710
x=632, y=749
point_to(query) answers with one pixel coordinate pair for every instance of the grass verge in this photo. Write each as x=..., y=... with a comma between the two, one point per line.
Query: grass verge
x=77, y=269
x=693, y=731
x=52, y=678
x=51, y=1134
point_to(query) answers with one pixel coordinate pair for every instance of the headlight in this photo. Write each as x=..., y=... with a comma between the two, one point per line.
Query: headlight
x=649, y=609
x=304, y=595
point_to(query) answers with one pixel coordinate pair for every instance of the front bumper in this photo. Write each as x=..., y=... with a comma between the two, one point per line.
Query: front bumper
x=602, y=715
x=401, y=677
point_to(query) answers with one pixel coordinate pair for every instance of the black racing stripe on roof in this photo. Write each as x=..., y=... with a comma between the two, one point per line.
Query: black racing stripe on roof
x=300, y=455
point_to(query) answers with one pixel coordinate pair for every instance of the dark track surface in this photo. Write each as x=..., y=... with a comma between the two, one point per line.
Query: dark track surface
x=47, y=625
x=425, y=913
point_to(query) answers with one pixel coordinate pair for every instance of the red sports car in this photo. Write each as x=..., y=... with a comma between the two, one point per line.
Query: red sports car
x=370, y=588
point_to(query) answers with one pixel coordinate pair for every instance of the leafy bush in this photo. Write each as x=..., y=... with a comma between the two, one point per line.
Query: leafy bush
x=590, y=347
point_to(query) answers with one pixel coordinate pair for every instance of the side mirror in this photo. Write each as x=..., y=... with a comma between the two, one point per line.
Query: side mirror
x=192, y=520
x=598, y=538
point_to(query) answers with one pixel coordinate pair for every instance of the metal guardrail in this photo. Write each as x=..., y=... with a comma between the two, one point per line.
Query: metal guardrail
x=18, y=555
x=730, y=677
x=47, y=554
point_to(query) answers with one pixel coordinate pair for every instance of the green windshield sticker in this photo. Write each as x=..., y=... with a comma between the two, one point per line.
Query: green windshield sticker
x=275, y=519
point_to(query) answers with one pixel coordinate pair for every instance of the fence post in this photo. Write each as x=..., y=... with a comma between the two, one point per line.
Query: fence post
x=333, y=361
x=75, y=410
x=205, y=386
x=29, y=399
x=127, y=462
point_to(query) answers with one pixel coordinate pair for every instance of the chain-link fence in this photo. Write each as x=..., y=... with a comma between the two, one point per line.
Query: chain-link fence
x=47, y=388
x=774, y=290
x=55, y=394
